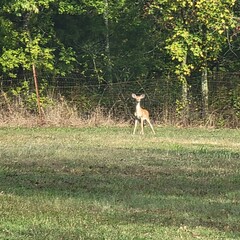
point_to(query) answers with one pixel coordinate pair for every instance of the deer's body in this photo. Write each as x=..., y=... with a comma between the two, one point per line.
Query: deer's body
x=141, y=114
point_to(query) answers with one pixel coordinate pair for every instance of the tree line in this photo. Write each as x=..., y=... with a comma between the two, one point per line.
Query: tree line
x=107, y=41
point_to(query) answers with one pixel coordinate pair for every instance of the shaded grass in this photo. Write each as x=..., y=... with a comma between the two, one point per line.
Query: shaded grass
x=104, y=183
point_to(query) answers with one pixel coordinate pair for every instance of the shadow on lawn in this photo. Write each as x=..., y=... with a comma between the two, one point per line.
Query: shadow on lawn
x=170, y=194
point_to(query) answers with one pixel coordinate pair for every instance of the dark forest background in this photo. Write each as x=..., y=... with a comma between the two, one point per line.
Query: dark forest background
x=87, y=55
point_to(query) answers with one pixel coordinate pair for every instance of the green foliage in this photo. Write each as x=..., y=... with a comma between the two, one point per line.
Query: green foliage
x=236, y=105
x=29, y=42
x=19, y=7
x=196, y=33
x=197, y=28
x=65, y=61
x=12, y=59
x=179, y=33
x=27, y=97
x=119, y=41
x=71, y=7
x=106, y=7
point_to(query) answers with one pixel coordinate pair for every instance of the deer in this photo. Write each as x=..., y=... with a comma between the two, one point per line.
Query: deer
x=141, y=114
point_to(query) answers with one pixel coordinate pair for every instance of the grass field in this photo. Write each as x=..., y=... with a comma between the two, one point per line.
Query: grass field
x=105, y=183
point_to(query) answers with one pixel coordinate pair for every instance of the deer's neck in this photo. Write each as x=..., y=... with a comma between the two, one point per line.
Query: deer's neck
x=138, y=110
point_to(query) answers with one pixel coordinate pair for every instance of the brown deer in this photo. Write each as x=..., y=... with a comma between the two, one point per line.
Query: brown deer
x=141, y=114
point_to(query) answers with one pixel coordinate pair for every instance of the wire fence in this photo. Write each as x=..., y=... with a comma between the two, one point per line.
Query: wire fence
x=163, y=97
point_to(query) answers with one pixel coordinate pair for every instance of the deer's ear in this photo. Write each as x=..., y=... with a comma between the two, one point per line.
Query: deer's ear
x=133, y=95
x=143, y=96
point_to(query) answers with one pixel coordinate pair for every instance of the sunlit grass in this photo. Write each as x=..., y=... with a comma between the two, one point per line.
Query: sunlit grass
x=104, y=183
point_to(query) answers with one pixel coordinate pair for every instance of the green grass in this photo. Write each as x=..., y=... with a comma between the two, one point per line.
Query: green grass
x=104, y=183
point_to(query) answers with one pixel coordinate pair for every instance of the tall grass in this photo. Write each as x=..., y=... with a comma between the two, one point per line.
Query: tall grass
x=59, y=113
x=104, y=183
x=19, y=108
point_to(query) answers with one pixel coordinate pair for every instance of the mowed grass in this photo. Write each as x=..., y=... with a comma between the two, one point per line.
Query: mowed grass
x=105, y=183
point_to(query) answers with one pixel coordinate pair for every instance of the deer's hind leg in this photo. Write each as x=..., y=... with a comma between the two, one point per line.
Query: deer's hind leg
x=150, y=125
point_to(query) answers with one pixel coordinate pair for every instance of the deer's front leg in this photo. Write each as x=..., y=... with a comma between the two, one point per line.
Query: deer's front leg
x=135, y=126
x=142, y=120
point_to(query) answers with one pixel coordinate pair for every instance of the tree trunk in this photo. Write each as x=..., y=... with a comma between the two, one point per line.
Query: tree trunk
x=37, y=92
x=204, y=83
x=185, y=105
x=107, y=47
